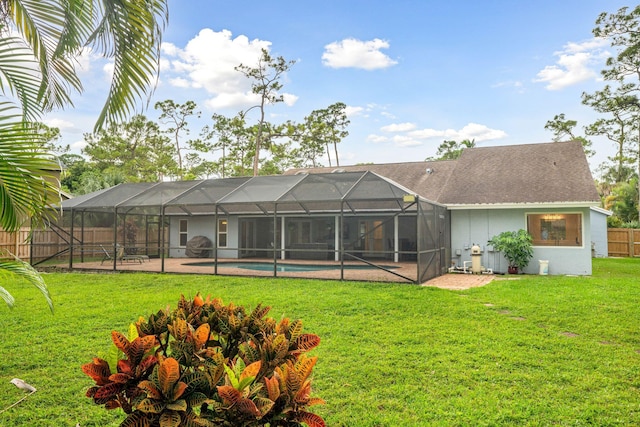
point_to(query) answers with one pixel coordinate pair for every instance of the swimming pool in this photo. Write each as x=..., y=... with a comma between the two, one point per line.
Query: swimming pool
x=284, y=267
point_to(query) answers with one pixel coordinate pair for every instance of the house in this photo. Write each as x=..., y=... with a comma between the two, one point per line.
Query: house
x=545, y=188
x=425, y=213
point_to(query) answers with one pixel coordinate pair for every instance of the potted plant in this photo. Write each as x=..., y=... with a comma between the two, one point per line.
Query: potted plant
x=516, y=246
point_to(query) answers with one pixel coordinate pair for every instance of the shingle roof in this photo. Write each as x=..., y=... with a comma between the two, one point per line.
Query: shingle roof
x=531, y=173
x=555, y=172
x=427, y=179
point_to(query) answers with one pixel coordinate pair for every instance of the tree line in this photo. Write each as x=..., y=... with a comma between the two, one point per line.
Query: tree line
x=144, y=150
x=619, y=108
x=619, y=105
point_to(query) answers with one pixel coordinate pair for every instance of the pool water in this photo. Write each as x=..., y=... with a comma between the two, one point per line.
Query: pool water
x=289, y=268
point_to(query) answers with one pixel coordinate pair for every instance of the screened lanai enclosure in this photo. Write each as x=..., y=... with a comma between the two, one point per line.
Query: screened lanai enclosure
x=346, y=226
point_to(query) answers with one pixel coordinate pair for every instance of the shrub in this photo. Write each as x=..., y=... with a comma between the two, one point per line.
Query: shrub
x=516, y=246
x=208, y=364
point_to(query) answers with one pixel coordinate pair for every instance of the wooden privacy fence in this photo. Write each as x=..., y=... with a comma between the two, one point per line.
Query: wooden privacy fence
x=15, y=243
x=47, y=243
x=623, y=242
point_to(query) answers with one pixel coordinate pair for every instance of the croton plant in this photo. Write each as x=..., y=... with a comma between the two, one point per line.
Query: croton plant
x=208, y=364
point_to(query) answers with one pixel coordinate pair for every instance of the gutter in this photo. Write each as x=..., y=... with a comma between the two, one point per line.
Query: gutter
x=548, y=205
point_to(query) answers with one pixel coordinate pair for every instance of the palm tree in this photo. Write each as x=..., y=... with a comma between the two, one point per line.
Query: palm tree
x=40, y=41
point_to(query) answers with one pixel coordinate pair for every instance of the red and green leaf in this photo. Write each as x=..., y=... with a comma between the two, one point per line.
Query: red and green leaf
x=170, y=419
x=168, y=375
x=304, y=366
x=264, y=405
x=251, y=370
x=150, y=388
x=98, y=370
x=120, y=341
x=273, y=387
x=307, y=342
x=136, y=419
x=310, y=419
x=108, y=391
x=201, y=335
x=229, y=395
x=151, y=406
x=246, y=406
x=179, y=405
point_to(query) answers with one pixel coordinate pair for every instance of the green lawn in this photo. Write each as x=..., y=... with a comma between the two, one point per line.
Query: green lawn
x=540, y=350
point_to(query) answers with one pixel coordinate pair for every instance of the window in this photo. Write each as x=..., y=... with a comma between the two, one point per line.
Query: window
x=555, y=229
x=183, y=232
x=222, y=233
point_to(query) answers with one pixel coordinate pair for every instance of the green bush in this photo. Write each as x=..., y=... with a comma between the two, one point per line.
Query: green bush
x=208, y=364
x=516, y=246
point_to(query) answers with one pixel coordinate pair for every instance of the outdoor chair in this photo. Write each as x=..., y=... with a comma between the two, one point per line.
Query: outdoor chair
x=121, y=256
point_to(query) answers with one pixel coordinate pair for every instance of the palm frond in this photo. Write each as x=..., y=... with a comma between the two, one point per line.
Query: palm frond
x=42, y=24
x=7, y=297
x=130, y=32
x=23, y=270
x=19, y=75
x=29, y=190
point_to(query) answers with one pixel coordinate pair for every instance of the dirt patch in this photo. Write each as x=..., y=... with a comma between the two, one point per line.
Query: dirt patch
x=460, y=282
x=570, y=334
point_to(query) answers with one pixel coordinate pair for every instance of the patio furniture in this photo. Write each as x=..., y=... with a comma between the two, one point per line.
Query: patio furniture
x=121, y=256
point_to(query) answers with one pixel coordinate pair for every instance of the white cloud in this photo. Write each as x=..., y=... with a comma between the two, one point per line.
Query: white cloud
x=575, y=64
x=405, y=141
x=351, y=111
x=78, y=145
x=480, y=133
x=406, y=134
x=108, y=69
x=232, y=100
x=84, y=60
x=377, y=138
x=179, y=82
x=208, y=62
x=471, y=131
x=289, y=99
x=515, y=84
x=353, y=53
x=398, y=127
x=59, y=123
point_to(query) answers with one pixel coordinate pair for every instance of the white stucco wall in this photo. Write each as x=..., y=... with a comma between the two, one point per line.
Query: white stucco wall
x=599, y=232
x=479, y=225
x=203, y=226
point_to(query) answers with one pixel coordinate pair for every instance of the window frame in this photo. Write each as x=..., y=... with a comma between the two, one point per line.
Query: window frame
x=536, y=242
x=224, y=233
x=182, y=232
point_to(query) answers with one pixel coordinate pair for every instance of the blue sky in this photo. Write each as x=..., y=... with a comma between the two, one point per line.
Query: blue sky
x=412, y=73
